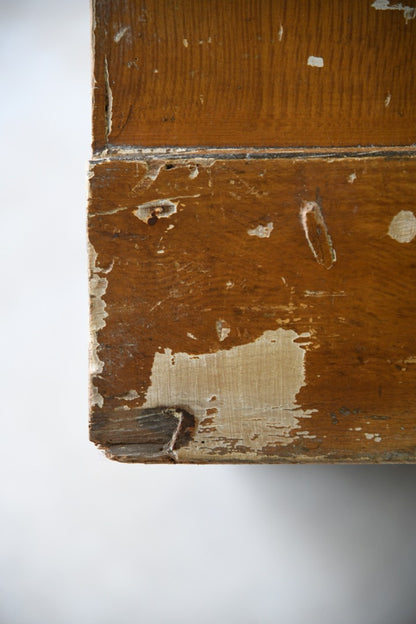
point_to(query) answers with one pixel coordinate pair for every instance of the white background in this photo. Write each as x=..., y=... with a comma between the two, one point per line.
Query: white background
x=85, y=540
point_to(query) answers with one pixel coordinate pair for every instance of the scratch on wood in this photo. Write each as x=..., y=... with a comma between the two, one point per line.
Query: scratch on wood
x=323, y=293
x=108, y=212
x=120, y=34
x=317, y=234
x=108, y=102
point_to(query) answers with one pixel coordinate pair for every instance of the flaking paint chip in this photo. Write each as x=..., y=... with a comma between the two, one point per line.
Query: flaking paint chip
x=315, y=61
x=261, y=231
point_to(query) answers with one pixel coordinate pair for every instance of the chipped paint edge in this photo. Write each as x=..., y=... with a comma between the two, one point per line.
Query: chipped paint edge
x=409, y=13
x=97, y=289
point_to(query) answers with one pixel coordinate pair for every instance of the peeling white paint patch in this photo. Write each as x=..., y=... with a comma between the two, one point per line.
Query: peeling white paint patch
x=223, y=329
x=280, y=33
x=315, y=61
x=373, y=436
x=191, y=336
x=120, y=34
x=409, y=13
x=185, y=42
x=98, y=286
x=387, y=100
x=253, y=387
x=261, y=231
x=352, y=177
x=403, y=227
x=156, y=209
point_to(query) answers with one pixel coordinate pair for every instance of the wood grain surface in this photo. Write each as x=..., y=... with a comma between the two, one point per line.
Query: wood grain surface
x=252, y=231
x=201, y=260
x=248, y=73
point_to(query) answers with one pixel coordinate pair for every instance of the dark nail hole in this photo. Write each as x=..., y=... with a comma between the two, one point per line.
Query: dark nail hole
x=169, y=166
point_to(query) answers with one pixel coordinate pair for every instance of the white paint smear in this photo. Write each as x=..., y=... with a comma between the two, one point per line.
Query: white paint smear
x=261, y=231
x=255, y=387
x=315, y=61
x=403, y=227
x=409, y=13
